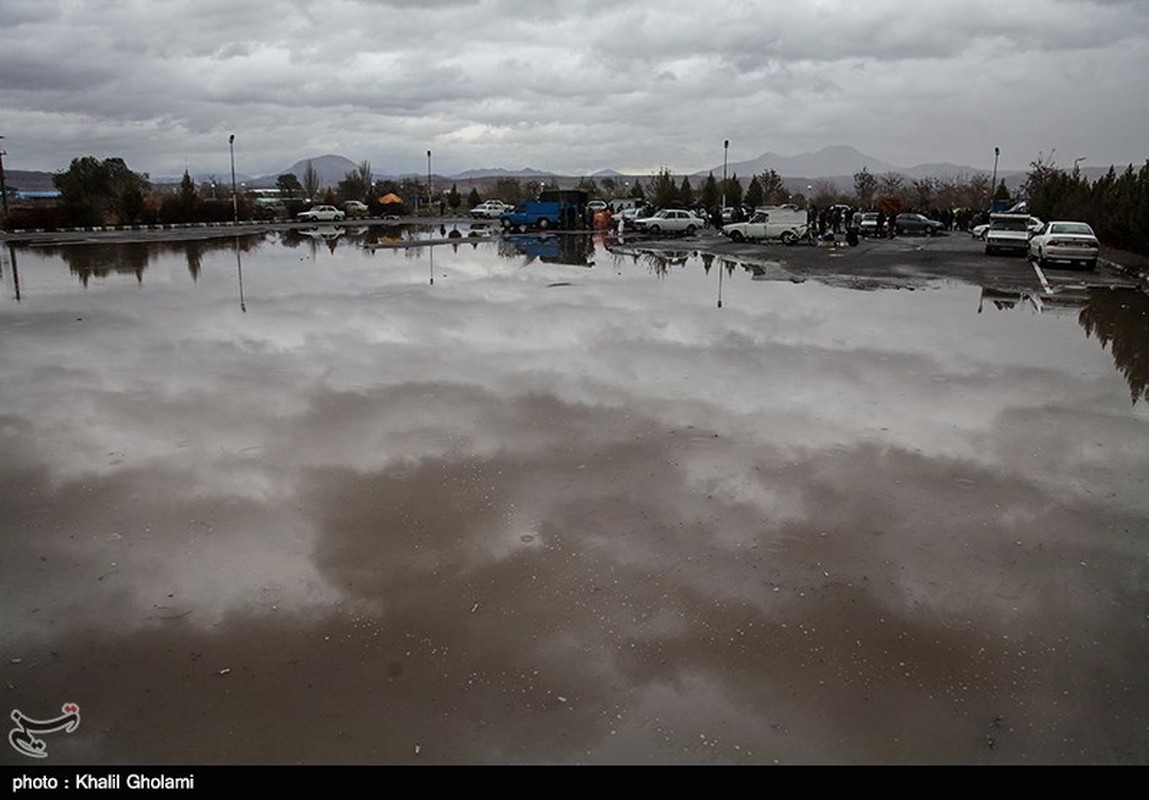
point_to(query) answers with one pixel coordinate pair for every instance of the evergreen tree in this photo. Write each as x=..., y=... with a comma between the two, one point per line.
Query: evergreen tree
x=289, y=185
x=754, y=195
x=865, y=185
x=665, y=193
x=733, y=191
x=710, y=194
x=189, y=197
x=774, y=191
x=686, y=193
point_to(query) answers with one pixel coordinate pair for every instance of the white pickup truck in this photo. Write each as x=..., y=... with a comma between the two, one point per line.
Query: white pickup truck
x=1007, y=232
x=784, y=224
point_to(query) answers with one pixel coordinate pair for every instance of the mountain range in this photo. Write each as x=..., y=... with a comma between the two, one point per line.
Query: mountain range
x=836, y=164
x=828, y=162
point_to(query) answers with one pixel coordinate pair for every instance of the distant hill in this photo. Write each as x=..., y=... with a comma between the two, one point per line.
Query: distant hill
x=837, y=160
x=330, y=168
x=499, y=172
x=28, y=180
x=831, y=163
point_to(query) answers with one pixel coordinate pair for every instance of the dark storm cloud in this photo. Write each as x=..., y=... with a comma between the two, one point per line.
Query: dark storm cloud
x=570, y=86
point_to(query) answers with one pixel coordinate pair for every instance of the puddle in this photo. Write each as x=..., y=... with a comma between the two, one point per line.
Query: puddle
x=551, y=499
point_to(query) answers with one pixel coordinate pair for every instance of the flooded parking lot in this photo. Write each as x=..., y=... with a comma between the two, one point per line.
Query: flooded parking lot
x=310, y=498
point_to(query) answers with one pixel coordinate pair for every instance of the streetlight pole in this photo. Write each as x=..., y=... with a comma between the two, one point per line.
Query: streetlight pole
x=429, y=190
x=3, y=186
x=234, y=201
x=993, y=187
x=1076, y=161
x=725, y=152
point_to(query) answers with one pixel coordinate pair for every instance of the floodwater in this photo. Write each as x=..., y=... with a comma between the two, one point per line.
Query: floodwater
x=293, y=499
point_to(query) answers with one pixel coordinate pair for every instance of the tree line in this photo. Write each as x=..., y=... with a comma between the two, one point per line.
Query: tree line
x=1115, y=205
x=98, y=192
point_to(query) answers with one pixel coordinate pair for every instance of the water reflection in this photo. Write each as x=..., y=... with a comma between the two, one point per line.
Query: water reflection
x=12, y=262
x=1117, y=318
x=1120, y=321
x=512, y=511
x=88, y=261
x=549, y=248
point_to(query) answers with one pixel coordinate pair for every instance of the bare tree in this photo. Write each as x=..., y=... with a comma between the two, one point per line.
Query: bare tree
x=923, y=192
x=890, y=184
x=310, y=181
x=825, y=193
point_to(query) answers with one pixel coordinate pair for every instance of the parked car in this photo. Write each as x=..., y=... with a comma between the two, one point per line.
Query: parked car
x=490, y=209
x=916, y=223
x=354, y=208
x=321, y=214
x=670, y=220
x=626, y=216
x=979, y=231
x=869, y=225
x=1009, y=232
x=1065, y=241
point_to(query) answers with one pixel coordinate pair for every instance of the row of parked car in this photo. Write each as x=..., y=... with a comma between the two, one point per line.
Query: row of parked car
x=1063, y=241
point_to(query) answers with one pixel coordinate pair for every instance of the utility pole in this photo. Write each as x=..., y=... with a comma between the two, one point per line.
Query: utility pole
x=725, y=152
x=993, y=187
x=3, y=185
x=234, y=201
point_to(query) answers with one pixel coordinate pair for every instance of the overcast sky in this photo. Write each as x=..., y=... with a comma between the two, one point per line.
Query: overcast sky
x=569, y=86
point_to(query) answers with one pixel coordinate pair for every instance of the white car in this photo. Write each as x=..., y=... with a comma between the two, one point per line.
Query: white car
x=1009, y=232
x=627, y=217
x=490, y=209
x=321, y=214
x=1065, y=241
x=778, y=223
x=670, y=220
x=355, y=208
x=979, y=231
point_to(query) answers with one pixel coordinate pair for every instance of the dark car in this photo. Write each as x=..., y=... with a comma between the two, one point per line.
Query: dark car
x=916, y=223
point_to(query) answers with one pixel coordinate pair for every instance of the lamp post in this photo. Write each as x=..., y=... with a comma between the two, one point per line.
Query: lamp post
x=3, y=186
x=725, y=152
x=993, y=187
x=234, y=201
x=429, y=190
x=1076, y=161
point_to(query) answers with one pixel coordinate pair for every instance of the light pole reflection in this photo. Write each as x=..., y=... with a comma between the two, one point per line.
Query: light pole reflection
x=725, y=154
x=239, y=273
